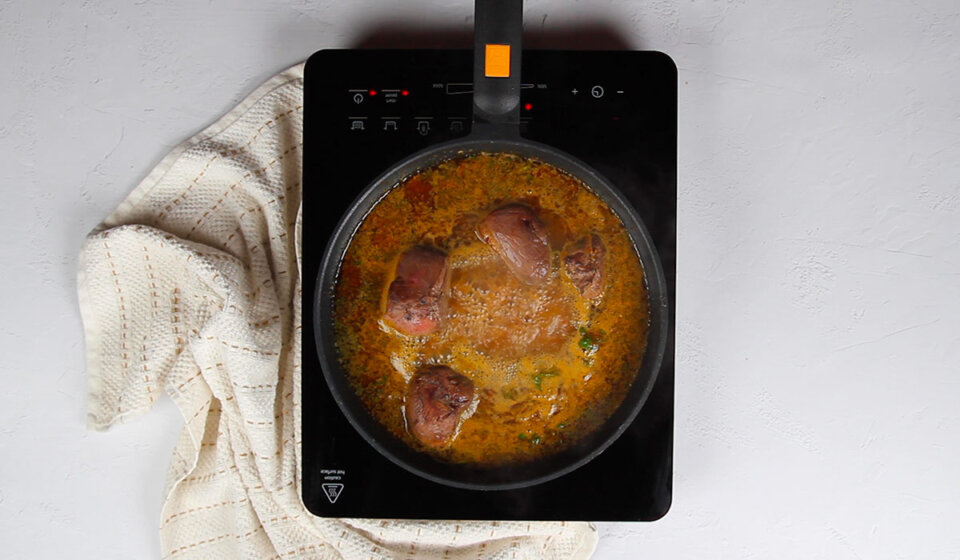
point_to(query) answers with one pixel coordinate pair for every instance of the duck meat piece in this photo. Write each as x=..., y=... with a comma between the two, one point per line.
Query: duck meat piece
x=436, y=399
x=417, y=297
x=518, y=235
x=584, y=265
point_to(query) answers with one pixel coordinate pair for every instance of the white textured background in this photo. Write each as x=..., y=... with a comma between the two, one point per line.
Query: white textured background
x=818, y=397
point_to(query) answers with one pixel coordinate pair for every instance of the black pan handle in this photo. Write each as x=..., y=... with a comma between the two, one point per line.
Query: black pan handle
x=498, y=27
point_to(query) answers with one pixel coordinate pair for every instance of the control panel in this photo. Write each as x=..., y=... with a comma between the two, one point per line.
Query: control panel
x=446, y=107
x=415, y=106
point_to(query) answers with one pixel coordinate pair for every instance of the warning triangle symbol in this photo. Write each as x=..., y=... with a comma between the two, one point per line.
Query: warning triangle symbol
x=332, y=491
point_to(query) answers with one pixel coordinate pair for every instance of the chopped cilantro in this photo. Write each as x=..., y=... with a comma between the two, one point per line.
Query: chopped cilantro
x=534, y=439
x=590, y=343
x=539, y=377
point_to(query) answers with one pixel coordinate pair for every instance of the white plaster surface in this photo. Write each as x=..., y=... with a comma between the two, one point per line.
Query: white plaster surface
x=818, y=381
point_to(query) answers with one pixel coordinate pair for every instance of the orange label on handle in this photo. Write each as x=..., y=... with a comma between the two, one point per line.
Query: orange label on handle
x=497, y=61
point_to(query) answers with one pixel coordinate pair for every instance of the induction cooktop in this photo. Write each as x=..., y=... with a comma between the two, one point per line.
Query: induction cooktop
x=365, y=110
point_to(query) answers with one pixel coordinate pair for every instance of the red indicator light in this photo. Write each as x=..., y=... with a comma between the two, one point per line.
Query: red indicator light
x=404, y=93
x=528, y=106
x=373, y=92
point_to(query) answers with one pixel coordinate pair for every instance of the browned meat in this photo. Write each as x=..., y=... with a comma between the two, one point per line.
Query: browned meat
x=417, y=297
x=436, y=398
x=516, y=233
x=584, y=264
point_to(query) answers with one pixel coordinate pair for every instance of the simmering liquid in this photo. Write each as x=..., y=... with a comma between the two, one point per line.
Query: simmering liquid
x=549, y=365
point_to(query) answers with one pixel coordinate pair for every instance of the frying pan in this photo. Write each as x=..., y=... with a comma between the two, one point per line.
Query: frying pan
x=495, y=129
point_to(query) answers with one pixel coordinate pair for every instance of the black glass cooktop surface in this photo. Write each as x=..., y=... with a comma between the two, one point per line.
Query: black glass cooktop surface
x=365, y=110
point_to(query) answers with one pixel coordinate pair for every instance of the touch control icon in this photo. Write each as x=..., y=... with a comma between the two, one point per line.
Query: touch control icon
x=423, y=127
x=358, y=98
x=597, y=91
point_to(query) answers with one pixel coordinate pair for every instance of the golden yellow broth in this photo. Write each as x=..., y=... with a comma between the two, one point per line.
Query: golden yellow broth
x=539, y=389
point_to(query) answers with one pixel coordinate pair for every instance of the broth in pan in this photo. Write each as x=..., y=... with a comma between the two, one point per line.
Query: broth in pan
x=491, y=310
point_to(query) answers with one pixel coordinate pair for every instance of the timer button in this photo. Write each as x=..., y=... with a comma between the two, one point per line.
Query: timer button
x=597, y=91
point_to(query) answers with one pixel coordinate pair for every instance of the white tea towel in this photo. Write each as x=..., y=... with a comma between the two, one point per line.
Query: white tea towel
x=192, y=288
